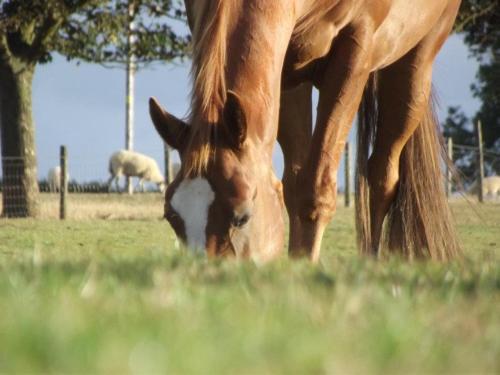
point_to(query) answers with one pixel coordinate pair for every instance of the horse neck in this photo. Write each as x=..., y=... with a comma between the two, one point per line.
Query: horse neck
x=257, y=41
x=240, y=46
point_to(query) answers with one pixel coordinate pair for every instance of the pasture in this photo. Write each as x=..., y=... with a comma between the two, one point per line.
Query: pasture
x=107, y=292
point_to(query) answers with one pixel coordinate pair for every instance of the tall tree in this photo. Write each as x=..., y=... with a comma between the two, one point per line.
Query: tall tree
x=479, y=23
x=88, y=30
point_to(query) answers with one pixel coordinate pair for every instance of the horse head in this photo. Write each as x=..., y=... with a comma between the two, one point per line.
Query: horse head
x=234, y=204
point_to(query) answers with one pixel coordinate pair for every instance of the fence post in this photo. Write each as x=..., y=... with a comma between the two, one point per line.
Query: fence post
x=448, y=167
x=480, y=160
x=130, y=87
x=347, y=170
x=63, y=183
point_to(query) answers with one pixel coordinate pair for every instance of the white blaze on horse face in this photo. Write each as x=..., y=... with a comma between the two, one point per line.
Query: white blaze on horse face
x=191, y=201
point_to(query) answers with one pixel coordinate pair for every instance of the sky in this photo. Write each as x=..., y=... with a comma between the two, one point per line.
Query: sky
x=83, y=107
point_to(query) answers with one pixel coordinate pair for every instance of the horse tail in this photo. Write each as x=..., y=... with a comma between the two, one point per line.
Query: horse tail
x=419, y=223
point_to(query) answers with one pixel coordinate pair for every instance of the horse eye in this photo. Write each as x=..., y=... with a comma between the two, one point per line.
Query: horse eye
x=239, y=221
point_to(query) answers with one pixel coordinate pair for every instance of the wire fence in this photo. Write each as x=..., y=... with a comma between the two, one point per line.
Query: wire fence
x=77, y=177
x=466, y=160
x=88, y=192
x=84, y=193
x=464, y=155
x=13, y=187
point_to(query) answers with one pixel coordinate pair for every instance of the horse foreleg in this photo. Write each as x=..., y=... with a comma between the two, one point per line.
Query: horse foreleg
x=294, y=136
x=341, y=88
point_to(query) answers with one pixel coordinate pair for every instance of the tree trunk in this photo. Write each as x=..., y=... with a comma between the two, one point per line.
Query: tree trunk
x=19, y=167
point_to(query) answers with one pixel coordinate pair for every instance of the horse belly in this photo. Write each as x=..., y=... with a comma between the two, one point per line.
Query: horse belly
x=302, y=62
x=306, y=54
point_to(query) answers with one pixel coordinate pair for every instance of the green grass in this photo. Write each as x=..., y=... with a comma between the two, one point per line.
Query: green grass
x=116, y=297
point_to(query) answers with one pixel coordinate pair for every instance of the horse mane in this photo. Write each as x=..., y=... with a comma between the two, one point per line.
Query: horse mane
x=209, y=84
x=208, y=94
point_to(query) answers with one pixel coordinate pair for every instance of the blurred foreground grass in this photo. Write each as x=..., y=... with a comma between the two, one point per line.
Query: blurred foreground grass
x=114, y=296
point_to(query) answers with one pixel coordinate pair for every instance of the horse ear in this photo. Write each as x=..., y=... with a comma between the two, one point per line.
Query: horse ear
x=172, y=130
x=234, y=121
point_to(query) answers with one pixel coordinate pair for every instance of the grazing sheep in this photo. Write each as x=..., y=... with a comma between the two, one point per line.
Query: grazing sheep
x=54, y=179
x=491, y=186
x=133, y=164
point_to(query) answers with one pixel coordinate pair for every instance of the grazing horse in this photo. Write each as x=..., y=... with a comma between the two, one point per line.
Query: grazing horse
x=254, y=65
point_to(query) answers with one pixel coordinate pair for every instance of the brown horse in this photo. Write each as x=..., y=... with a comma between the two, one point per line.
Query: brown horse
x=254, y=65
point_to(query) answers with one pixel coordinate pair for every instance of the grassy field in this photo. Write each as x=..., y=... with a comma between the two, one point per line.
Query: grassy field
x=90, y=295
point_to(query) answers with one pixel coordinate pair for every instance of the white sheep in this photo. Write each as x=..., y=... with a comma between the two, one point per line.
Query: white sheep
x=491, y=186
x=54, y=178
x=133, y=164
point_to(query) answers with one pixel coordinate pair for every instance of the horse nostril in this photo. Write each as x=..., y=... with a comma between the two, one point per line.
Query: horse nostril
x=239, y=220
